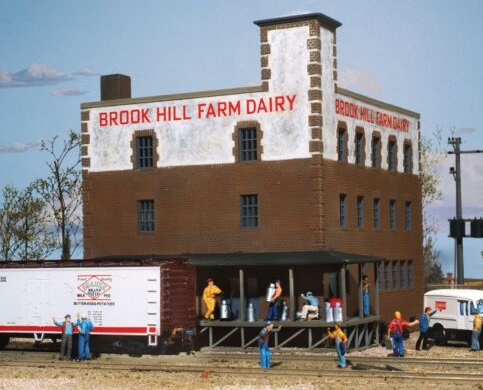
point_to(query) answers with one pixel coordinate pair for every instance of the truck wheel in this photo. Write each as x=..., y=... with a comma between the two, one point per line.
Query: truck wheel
x=439, y=335
x=4, y=340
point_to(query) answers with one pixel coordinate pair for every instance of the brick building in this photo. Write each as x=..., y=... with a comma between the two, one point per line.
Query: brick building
x=293, y=165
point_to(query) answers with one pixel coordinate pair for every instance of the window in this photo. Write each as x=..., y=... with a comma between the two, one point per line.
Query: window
x=376, y=151
x=408, y=222
x=247, y=139
x=392, y=214
x=410, y=273
x=341, y=145
x=463, y=308
x=377, y=213
x=342, y=210
x=146, y=215
x=394, y=275
x=402, y=274
x=359, y=148
x=249, y=211
x=407, y=158
x=387, y=275
x=360, y=211
x=391, y=155
x=144, y=152
x=379, y=276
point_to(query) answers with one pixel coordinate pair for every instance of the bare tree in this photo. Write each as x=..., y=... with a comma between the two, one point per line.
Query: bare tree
x=61, y=191
x=9, y=217
x=431, y=154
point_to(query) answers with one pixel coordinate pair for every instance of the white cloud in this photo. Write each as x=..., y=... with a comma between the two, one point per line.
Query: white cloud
x=19, y=147
x=358, y=79
x=87, y=71
x=68, y=92
x=32, y=76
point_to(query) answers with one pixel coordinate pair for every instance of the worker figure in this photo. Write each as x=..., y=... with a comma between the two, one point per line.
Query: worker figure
x=475, y=335
x=273, y=307
x=423, y=328
x=340, y=344
x=310, y=310
x=67, y=332
x=263, y=343
x=85, y=326
x=365, y=295
x=209, y=294
x=395, y=332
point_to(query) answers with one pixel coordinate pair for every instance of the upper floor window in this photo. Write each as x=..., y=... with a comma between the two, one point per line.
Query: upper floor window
x=408, y=222
x=146, y=215
x=249, y=211
x=379, y=275
x=392, y=214
x=343, y=210
x=376, y=152
x=360, y=211
x=391, y=155
x=144, y=151
x=359, y=148
x=247, y=138
x=410, y=273
x=402, y=274
x=387, y=275
x=395, y=275
x=341, y=144
x=377, y=213
x=408, y=158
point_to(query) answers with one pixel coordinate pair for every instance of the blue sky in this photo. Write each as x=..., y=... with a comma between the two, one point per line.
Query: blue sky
x=423, y=55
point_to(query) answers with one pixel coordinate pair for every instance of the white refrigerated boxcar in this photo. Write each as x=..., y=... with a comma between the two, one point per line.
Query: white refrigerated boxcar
x=144, y=300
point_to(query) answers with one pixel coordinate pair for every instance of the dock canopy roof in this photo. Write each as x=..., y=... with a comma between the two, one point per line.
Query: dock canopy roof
x=280, y=258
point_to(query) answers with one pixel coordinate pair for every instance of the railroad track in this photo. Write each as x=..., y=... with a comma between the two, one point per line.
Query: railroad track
x=230, y=365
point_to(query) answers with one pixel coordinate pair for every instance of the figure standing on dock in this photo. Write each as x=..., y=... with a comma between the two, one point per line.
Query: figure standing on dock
x=273, y=307
x=365, y=295
x=209, y=295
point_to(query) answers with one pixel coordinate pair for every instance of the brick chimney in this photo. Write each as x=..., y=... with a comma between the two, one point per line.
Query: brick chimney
x=115, y=86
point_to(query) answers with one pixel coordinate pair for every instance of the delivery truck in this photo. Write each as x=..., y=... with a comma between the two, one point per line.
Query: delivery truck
x=140, y=304
x=455, y=309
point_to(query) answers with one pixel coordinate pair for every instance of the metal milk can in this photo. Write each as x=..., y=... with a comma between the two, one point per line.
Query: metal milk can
x=251, y=312
x=225, y=311
x=270, y=292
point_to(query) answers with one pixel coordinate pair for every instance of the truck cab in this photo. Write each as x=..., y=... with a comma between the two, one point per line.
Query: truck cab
x=455, y=313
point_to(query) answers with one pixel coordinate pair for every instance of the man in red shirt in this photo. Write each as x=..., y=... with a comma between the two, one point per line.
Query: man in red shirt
x=395, y=332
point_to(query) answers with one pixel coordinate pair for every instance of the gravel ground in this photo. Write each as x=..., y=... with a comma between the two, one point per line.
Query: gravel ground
x=61, y=377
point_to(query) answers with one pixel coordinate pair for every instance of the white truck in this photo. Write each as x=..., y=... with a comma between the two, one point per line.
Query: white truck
x=455, y=313
x=129, y=305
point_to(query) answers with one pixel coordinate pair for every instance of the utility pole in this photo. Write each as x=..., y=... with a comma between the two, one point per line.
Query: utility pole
x=455, y=142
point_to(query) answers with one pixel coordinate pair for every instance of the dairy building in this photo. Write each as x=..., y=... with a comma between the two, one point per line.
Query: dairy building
x=294, y=167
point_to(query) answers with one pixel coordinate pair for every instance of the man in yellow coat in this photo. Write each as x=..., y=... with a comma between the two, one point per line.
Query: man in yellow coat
x=209, y=294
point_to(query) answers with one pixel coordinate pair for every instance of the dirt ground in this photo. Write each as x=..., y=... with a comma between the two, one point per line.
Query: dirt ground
x=56, y=378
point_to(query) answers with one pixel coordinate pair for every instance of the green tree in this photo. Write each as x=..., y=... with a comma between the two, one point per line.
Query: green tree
x=61, y=191
x=431, y=154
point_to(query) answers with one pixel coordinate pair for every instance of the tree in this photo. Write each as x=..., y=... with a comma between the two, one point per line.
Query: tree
x=61, y=191
x=431, y=155
x=24, y=232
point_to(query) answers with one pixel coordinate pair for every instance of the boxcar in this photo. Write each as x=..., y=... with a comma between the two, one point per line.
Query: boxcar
x=135, y=305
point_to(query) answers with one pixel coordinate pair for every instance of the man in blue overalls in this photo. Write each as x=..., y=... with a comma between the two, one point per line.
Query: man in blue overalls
x=85, y=327
x=263, y=344
x=395, y=332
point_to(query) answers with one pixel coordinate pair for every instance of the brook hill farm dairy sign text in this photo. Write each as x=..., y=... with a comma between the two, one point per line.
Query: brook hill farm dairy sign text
x=201, y=110
x=366, y=114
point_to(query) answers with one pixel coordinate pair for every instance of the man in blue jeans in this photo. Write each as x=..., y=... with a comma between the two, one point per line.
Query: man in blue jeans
x=423, y=328
x=85, y=327
x=263, y=344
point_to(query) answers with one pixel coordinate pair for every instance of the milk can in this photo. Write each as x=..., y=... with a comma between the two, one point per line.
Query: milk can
x=338, y=312
x=251, y=312
x=328, y=314
x=270, y=292
x=225, y=312
x=284, y=311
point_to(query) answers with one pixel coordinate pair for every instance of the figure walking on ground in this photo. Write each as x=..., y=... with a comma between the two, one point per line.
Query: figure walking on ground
x=365, y=295
x=475, y=336
x=67, y=332
x=263, y=343
x=273, y=307
x=209, y=294
x=423, y=328
x=395, y=333
x=340, y=344
x=85, y=328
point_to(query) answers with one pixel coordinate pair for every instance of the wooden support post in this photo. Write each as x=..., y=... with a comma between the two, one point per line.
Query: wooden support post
x=292, y=308
x=343, y=289
x=243, y=309
x=361, y=304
